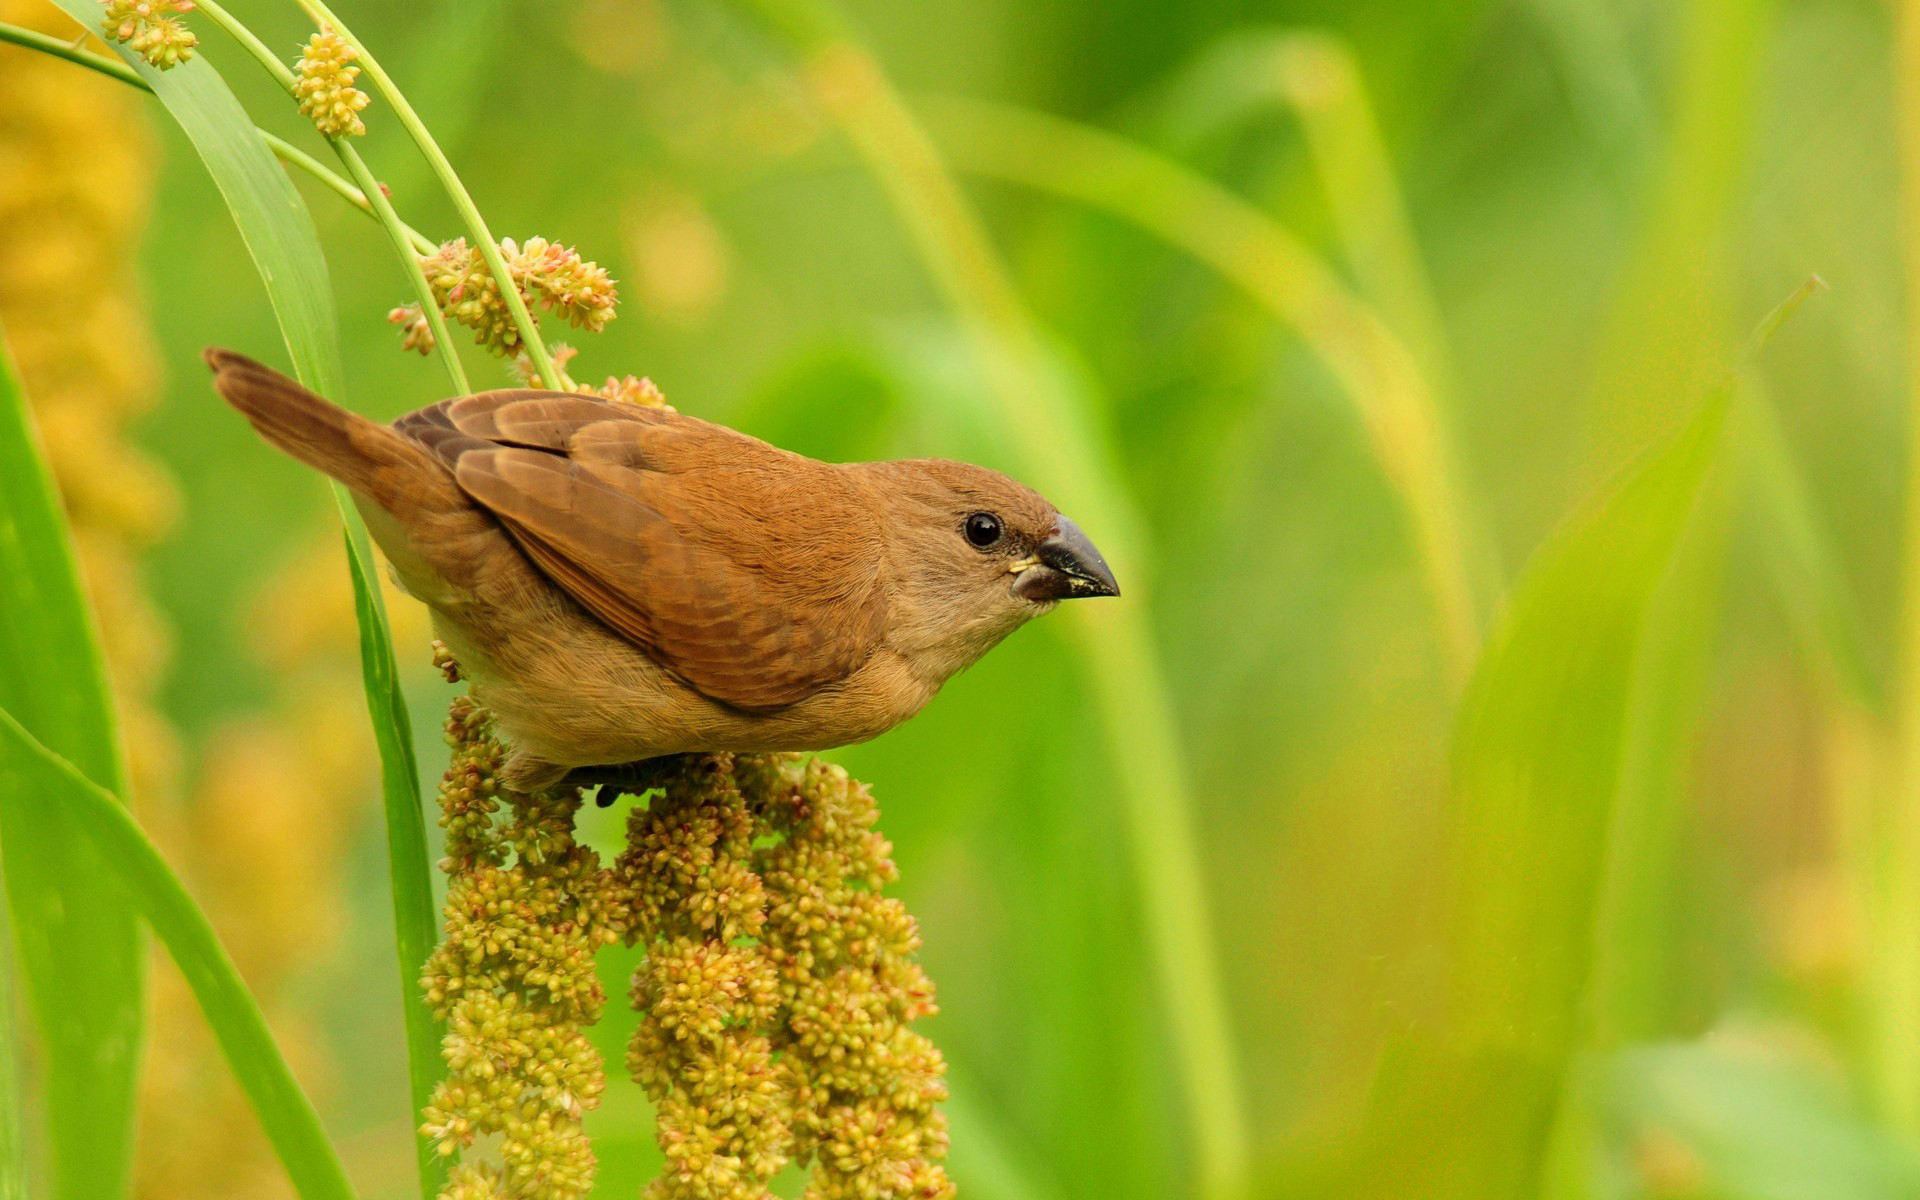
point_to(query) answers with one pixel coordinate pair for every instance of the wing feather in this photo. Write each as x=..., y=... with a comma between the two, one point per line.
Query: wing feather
x=750, y=573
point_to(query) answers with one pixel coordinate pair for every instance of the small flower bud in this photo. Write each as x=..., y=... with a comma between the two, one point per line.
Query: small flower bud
x=146, y=26
x=324, y=86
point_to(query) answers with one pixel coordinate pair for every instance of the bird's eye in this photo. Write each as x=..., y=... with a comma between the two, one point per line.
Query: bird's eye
x=983, y=529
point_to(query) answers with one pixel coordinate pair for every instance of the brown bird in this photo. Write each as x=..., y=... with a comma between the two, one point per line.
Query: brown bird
x=622, y=582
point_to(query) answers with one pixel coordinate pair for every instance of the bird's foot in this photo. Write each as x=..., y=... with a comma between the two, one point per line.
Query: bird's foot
x=621, y=779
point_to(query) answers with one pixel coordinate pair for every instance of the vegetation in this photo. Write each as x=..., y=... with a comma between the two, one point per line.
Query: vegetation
x=1499, y=778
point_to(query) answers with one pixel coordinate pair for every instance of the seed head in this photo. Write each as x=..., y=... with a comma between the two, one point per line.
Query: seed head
x=149, y=27
x=324, y=86
x=547, y=275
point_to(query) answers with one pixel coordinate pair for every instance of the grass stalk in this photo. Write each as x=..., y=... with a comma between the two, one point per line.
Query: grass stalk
x=398, y=233
x=530, y=340
x=1390, y=395
x=1057, y=443
x=334, y=182
x=13, y=1138
x=1897, y=997
x=375, y=201
x=284, y=150
x=33, y=39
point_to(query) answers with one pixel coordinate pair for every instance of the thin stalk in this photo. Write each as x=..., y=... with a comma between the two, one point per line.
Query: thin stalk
x=284, y=150
x=1897, y=998
x=1390, y=395
x=543, y=366
x=1057, y=442
x=13, y=1140
x=231, y=26
x=376, y=200
x=33, y=39
x=397, y=233
x=292, y=155
x=292, y=1125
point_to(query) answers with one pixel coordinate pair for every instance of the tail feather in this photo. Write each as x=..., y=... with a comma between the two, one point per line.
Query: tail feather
x=372, y=459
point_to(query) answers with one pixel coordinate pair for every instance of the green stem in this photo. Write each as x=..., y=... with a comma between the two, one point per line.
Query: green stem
x=292, y=1125
x=231, y=26
x=530, y=341
x=33, y=39
x=397, y=233
x=13, y=1141
x=1057, y=441
x=292, y=155
x=286, y=151
x=376, y=200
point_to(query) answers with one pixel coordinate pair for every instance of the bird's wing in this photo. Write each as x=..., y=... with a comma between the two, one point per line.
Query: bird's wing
x=751, y=573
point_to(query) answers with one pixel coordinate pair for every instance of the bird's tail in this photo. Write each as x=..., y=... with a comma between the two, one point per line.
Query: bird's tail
x=370, y=458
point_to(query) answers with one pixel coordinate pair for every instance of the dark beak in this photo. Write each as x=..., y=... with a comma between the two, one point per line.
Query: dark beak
x=1069, y=568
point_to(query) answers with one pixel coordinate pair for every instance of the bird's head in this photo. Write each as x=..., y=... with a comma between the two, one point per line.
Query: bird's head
x=975, y=556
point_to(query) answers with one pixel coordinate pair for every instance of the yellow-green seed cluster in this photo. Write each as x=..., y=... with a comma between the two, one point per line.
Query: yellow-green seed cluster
x=323, y=83
x=546, y=274
x=151, y=30
x=776, y=993
x=514, y=979
x=778, y=988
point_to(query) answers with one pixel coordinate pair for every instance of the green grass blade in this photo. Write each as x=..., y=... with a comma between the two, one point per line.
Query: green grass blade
x=279, y=234
x=154, y=892
x=1467, y=1110
x=415, y=920
x=13, y=1093
x=80, y=947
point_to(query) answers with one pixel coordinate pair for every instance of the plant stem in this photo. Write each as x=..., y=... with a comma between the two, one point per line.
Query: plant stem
x=286, y=151
x=376, y=201
x=1055, y=440
x=33, y=39
x=231, y=26
x=292, y=155
x=397, y=233
x=530, y=341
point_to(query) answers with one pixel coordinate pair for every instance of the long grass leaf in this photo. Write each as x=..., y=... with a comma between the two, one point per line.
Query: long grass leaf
x=415, y=920
x=13, y=1138
x=80, y=948
x=1468, y=1109
x=279, y=234
x=155, y=893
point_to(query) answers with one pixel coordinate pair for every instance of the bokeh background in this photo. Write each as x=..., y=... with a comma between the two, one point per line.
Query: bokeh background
x=1354, y=308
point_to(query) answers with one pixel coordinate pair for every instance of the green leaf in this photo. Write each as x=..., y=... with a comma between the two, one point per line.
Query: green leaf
x=279, y=234
x=154, y=892
x=416, y=923
x=1467, y=1109
x=13, y=1092
x=79, y=946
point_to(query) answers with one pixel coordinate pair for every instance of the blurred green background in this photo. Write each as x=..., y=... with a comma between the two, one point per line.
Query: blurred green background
x=1577, y=872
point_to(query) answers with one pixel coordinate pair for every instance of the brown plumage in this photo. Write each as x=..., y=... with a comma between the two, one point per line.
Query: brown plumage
x=623, y=582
